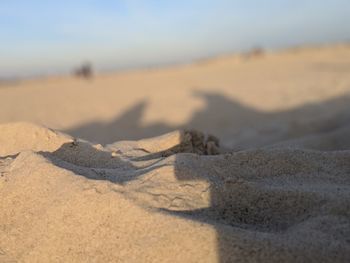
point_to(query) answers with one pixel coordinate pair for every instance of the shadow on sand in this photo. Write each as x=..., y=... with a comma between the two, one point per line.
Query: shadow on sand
x=232, y=118
x=229, y=120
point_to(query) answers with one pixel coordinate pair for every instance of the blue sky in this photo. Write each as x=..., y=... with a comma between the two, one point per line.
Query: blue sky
x=48, y=36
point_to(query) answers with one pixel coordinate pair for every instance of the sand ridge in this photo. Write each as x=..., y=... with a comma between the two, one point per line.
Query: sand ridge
x=271, y=205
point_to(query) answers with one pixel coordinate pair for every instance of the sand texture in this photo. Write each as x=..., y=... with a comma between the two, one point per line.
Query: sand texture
x=238, y=159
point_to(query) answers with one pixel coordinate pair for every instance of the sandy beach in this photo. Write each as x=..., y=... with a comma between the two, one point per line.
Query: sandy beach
x=239, y=158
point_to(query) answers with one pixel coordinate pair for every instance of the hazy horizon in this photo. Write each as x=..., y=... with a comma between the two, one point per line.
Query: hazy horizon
x=47, y=37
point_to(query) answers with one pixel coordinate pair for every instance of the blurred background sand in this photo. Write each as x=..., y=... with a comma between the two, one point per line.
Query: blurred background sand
x=244, y=100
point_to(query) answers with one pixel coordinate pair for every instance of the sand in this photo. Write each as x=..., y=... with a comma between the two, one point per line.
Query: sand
x=237, y=159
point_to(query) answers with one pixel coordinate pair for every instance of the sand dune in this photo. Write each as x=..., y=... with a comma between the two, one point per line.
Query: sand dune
x=271, y=185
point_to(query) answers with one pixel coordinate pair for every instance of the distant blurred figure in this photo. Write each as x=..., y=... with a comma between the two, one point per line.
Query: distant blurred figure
x=254, y=52
x=84, y=71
